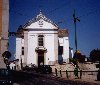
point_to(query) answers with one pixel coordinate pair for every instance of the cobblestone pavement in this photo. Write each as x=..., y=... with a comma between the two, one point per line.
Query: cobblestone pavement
x=50, y=80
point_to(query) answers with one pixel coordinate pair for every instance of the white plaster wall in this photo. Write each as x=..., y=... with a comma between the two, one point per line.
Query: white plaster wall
x=32, y=44
x=22, y=42
x=45, y=25
x=48, y=41
x=25, y=47
x=41, y=32
x=18, y=49
x=22, y=56
x=72, y=53
x=22, y=45
x=56, y=46
x=49, y=44
x=66, y=48
x=65, y=43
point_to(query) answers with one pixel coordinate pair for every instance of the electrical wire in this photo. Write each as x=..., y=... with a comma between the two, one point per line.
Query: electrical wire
x=89, y=13
x=60, y=7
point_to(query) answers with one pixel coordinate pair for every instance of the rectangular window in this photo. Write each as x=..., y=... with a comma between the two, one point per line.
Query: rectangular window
x=22, y=50
x=60, y=50
x=40, y=40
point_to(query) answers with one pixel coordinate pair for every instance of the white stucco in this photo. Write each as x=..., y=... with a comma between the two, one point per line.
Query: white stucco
x=18, y=49
x=45, y=25
x=65, y=43
x=32, y=44
x=48, y=44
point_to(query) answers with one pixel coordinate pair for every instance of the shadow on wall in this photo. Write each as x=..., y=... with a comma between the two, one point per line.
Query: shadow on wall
x=60, y=52
x=60, y=59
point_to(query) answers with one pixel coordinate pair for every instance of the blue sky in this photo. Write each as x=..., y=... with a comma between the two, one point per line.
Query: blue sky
x=61, y=12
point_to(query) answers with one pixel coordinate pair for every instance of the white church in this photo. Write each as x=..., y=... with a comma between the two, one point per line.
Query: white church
x=41, y=42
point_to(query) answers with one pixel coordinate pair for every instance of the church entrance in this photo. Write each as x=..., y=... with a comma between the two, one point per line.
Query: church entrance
x=40, y=58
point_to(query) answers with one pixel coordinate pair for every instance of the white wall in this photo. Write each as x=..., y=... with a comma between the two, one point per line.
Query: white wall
x=66, y=48
x=32, y=44
x=25, y=46
x=50, y=38
x=49, y=44
x=22, y=45
x=18, y=49
x=45, y=25
x=65, y=43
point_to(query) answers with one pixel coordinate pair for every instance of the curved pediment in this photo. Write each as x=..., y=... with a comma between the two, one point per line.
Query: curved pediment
x=40, y=22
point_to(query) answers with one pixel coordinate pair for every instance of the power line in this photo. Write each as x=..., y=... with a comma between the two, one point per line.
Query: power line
x=89, y=13
x=60, y=7
x=16, y=12
x=84, y=15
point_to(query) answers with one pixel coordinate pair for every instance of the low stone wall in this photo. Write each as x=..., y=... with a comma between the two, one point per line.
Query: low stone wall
x=85, y=74
x=92, y=75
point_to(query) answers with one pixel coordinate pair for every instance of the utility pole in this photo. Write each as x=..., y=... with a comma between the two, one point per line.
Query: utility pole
x=75, y=19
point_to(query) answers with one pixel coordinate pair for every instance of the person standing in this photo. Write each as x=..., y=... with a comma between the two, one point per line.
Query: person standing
x=76, y=71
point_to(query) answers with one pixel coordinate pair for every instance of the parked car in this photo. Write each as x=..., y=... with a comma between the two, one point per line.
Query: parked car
x=46, y=69
x=5, y=77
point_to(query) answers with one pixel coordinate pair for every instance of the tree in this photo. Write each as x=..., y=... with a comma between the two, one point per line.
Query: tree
x=6, y=55
x=79, y=57
x=95, y=55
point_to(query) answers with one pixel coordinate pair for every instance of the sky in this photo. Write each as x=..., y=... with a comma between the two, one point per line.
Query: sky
x=61, y=13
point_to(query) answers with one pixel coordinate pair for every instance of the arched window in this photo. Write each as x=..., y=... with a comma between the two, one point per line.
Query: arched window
x=40, y=40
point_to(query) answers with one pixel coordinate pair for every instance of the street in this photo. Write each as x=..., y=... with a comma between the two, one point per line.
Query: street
x=51, y=80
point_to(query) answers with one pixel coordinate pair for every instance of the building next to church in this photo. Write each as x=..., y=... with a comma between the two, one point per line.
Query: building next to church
x=41, y=41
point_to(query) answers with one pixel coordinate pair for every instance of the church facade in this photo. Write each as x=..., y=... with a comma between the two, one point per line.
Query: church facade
x=41, y=42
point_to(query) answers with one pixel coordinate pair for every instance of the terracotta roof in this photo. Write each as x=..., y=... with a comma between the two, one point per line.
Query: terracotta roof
x=20, y=32
x=62, y=33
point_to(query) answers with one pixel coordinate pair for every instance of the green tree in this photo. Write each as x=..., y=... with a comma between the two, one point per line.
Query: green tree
x=6, y=55
x=79, y=57
x=95, y=55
